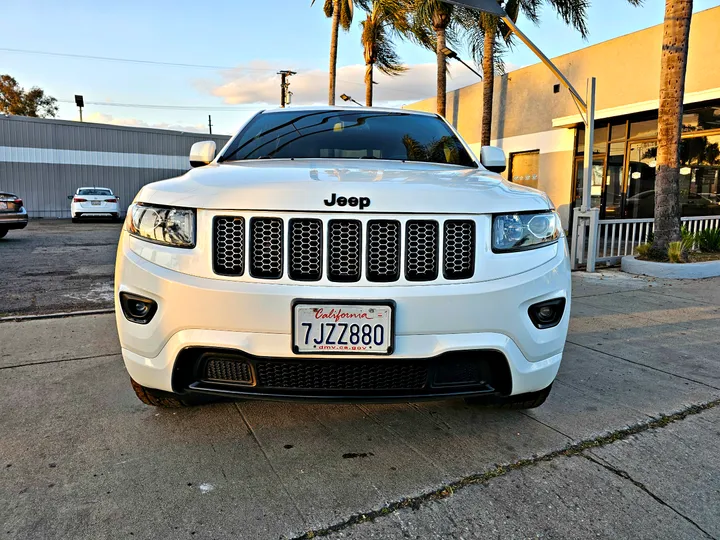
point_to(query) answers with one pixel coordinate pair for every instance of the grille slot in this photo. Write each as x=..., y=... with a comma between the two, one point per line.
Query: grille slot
x=266, y=248
x=228, y=370
x=344, y=250
x=383, y=250
x=306, y=249
x=229, y=246
x=459, y=249
x=341, y=375
x=421, y=261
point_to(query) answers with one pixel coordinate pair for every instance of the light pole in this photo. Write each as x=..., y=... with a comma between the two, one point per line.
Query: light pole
x=452, y=54
x=345, y=97
x=586, y=108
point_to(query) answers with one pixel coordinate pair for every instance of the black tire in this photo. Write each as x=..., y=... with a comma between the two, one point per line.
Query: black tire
x=530, y=400
x=3, y=232
x=169, y=400
x=75, y=220
x=116, y=218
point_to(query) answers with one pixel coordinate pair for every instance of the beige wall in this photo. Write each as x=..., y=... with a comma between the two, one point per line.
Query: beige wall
x=627, y=70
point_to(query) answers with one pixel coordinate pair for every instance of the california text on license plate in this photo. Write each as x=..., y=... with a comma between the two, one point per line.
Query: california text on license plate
x=343, y=328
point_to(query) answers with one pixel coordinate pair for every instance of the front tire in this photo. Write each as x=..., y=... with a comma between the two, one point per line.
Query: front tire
x=3, y=232
x=168, y=400
x=531, y=400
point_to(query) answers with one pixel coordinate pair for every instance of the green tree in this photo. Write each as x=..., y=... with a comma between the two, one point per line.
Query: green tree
x=20, y=102
x=442, y=20
x=484, y=30
x=341, y=13
x=673, y=65
x=385, y=18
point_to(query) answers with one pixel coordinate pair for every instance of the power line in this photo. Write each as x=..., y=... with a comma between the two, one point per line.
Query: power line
x=227, y=108
x=128, y=60
x=176, y=64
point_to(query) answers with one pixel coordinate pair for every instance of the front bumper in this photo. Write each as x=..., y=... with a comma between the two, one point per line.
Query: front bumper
x=485, y=322
x=14, y=220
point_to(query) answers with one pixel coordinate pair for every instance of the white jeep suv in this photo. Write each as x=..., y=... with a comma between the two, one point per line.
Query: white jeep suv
x=342, y=254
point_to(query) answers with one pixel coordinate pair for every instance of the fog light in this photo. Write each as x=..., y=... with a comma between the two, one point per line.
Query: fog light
x=137, y=309
x=547, y=314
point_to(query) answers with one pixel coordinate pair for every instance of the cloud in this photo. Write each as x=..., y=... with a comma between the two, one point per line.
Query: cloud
x=238, y=86
x=102, y=118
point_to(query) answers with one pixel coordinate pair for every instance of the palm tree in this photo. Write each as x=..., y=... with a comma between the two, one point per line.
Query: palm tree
x=441, y=18
x=486, y=49
x=673, y=64
x=341, y=13
x=384, y=18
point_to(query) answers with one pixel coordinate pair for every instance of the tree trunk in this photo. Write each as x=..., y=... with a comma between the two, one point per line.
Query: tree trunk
x=676, y=34
x=488, y=84
x=368, y=85
x=333, y=50
x=441, y=72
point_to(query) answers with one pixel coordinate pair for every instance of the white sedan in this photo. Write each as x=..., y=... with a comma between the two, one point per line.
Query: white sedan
x=94, y=202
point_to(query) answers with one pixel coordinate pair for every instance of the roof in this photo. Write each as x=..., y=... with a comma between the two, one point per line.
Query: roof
x=353, y=108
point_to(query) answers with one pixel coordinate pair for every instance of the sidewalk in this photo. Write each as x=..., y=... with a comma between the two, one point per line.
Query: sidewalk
x=81, y=457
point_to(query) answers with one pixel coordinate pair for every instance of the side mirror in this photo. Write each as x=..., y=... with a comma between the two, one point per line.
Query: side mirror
x=493, y=158
x=71, y=197
x=202, y=153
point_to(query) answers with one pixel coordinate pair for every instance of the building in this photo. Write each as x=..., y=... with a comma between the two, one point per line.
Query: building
x=43, y=161
x=538, y=125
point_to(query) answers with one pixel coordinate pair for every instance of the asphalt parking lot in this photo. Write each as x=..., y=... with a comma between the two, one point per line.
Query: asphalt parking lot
x=56, y=265
x=625, y=447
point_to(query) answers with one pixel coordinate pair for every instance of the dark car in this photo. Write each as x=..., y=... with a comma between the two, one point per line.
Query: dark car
x=12, y=213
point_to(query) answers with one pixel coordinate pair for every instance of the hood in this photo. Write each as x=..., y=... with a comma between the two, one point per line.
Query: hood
x=324, y=185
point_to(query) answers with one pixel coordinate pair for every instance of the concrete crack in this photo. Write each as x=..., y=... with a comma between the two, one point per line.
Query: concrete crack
x=447, y=490
x=59, y=361
x=624, y=475
x=643, y=365
x=269, y=462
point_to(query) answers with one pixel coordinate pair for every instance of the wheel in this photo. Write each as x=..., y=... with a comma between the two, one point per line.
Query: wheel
x=530, y=400
x=168, y=400
x=76, y=218
x=116, y=218
x=3, y=232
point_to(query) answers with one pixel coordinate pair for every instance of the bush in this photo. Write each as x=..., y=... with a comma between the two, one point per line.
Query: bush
x=708, y=240
x=676, y=252
x=643, y=250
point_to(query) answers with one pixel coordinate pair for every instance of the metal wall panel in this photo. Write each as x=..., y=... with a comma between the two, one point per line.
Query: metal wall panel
x=44, y=160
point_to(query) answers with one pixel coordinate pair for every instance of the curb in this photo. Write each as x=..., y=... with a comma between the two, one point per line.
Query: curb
x=698, y=270
x=62, y=315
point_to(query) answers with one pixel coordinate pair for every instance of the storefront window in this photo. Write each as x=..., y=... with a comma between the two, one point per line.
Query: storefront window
x=640, y=201
x=614, y=181
x=599, y=141
x=699, y=176
x=701, y=119
x=646, y=129
x=618, y=132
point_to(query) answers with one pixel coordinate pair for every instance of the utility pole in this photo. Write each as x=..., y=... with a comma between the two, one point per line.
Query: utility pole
x=285, y=93
x=210, y=123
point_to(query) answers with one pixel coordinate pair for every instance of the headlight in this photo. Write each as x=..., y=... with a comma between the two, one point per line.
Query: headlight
x=518, y=232
x=163, y=225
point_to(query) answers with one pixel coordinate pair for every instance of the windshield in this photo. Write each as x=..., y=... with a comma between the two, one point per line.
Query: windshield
x=94, y=192
x=362, y=134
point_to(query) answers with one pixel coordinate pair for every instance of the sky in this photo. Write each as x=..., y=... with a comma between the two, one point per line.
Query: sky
x=232, y=52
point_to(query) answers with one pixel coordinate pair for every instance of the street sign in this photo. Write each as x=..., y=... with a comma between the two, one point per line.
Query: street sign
x=488, y=6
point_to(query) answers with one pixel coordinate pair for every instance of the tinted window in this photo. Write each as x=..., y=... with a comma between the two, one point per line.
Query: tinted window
x=94, y=192
x=365, y=134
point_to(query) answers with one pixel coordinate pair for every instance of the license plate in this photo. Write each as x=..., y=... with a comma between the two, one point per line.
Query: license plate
x=95, y=203
x=3, y=206
x=339, y=328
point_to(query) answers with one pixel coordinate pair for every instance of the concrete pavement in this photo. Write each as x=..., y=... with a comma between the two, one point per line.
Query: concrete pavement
x=81, y=457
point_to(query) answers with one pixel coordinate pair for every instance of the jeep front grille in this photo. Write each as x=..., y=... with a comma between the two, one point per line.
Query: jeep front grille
x=344, y=250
